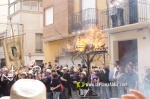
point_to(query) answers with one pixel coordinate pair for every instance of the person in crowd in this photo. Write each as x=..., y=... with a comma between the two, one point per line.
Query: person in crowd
x=95, y=80
x=55, y=86
x=117, y=12
x=42, y=67
x=147, y=82
x=79, y=66
x=49, y=65
x=18, y=76
x=46, y=79
x=39, y=77
x=79, y=70
x=65, y=81
x=71, y=72
x=4, y=81
x=59, y=71
x=9, y=83
x=82, y=83
x=23, y=75
x=121, y=81
x=60, y=67
x=30, y=75
x=83, y=66
x=56, y=64
x=104, y=79
x=131, y=77
x=135, y=68
x=113, y=13
x=114, y=90
x=73, y=82
x=45, y=65
x=111, y=80
x=1, y=90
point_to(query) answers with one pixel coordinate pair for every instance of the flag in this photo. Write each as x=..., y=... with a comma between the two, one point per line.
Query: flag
x=13, y=50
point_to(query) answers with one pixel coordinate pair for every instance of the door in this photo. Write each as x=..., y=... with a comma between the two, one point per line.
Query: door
x=128, y=52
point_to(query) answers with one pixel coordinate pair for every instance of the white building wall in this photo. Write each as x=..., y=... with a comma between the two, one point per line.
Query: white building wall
x=30, y=23
x=67, y=60
x=3, y=15
x=143, y=38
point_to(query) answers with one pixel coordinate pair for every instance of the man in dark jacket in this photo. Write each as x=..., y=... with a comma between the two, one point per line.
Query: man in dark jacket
x=9, y=84
x=104, y=79
x=65, y=81
x=74, y=79
x=47, y=80
x=3, y=81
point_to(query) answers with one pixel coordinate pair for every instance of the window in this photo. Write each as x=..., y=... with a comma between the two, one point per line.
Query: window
x=49, y=16
x=86, y=4
x=26, y=5
x=34, y=6
x=88, y=12
x=41, y=7
x=11, y=1
x=11, y=9
x=17, y=6
x=2, y=63
x=1, y=42
x=39, y=43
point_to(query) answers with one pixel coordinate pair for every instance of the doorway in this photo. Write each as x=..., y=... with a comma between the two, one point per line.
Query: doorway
x=128, y=52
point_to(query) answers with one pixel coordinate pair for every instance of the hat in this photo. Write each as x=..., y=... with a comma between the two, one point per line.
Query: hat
x=75, y=70
x=65, y=68
x=48, y=70
x=30, y=72
x=5, y=69
x=10, y=75
x=24, y=73
x=27, y=89
x=5, y=97
x=83, y=72
x=96, y=69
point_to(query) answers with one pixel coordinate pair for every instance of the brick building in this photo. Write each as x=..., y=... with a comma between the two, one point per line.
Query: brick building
x=62, y=20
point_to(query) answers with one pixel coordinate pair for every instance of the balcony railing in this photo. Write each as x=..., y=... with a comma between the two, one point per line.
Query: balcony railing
x=84, y=18
x=124, y=14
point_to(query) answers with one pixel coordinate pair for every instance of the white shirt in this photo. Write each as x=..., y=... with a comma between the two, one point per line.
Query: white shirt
x=117, y=3
x=115, y=70
x=114, y=5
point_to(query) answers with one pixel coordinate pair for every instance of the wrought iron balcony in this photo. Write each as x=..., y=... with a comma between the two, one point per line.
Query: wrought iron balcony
x=132, y=12
x=84, y=18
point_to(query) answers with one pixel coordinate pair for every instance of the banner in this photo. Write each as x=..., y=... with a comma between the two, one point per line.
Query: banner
x=13, y=50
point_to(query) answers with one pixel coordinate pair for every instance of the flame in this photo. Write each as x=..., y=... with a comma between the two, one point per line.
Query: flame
x=94, y=39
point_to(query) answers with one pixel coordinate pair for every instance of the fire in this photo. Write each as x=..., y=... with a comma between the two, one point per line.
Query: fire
x=93, y=40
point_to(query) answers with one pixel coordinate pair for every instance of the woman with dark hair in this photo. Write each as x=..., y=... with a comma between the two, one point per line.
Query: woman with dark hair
x=55, y=85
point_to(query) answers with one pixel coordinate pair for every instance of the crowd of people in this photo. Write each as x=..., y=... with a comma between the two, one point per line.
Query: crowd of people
x=64, y=82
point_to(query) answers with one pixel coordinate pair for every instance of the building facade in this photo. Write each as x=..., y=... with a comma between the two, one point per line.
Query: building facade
x=61, y=22
x=3, y=28
x=27, y=19
x=128, y=42
x=128, y=38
